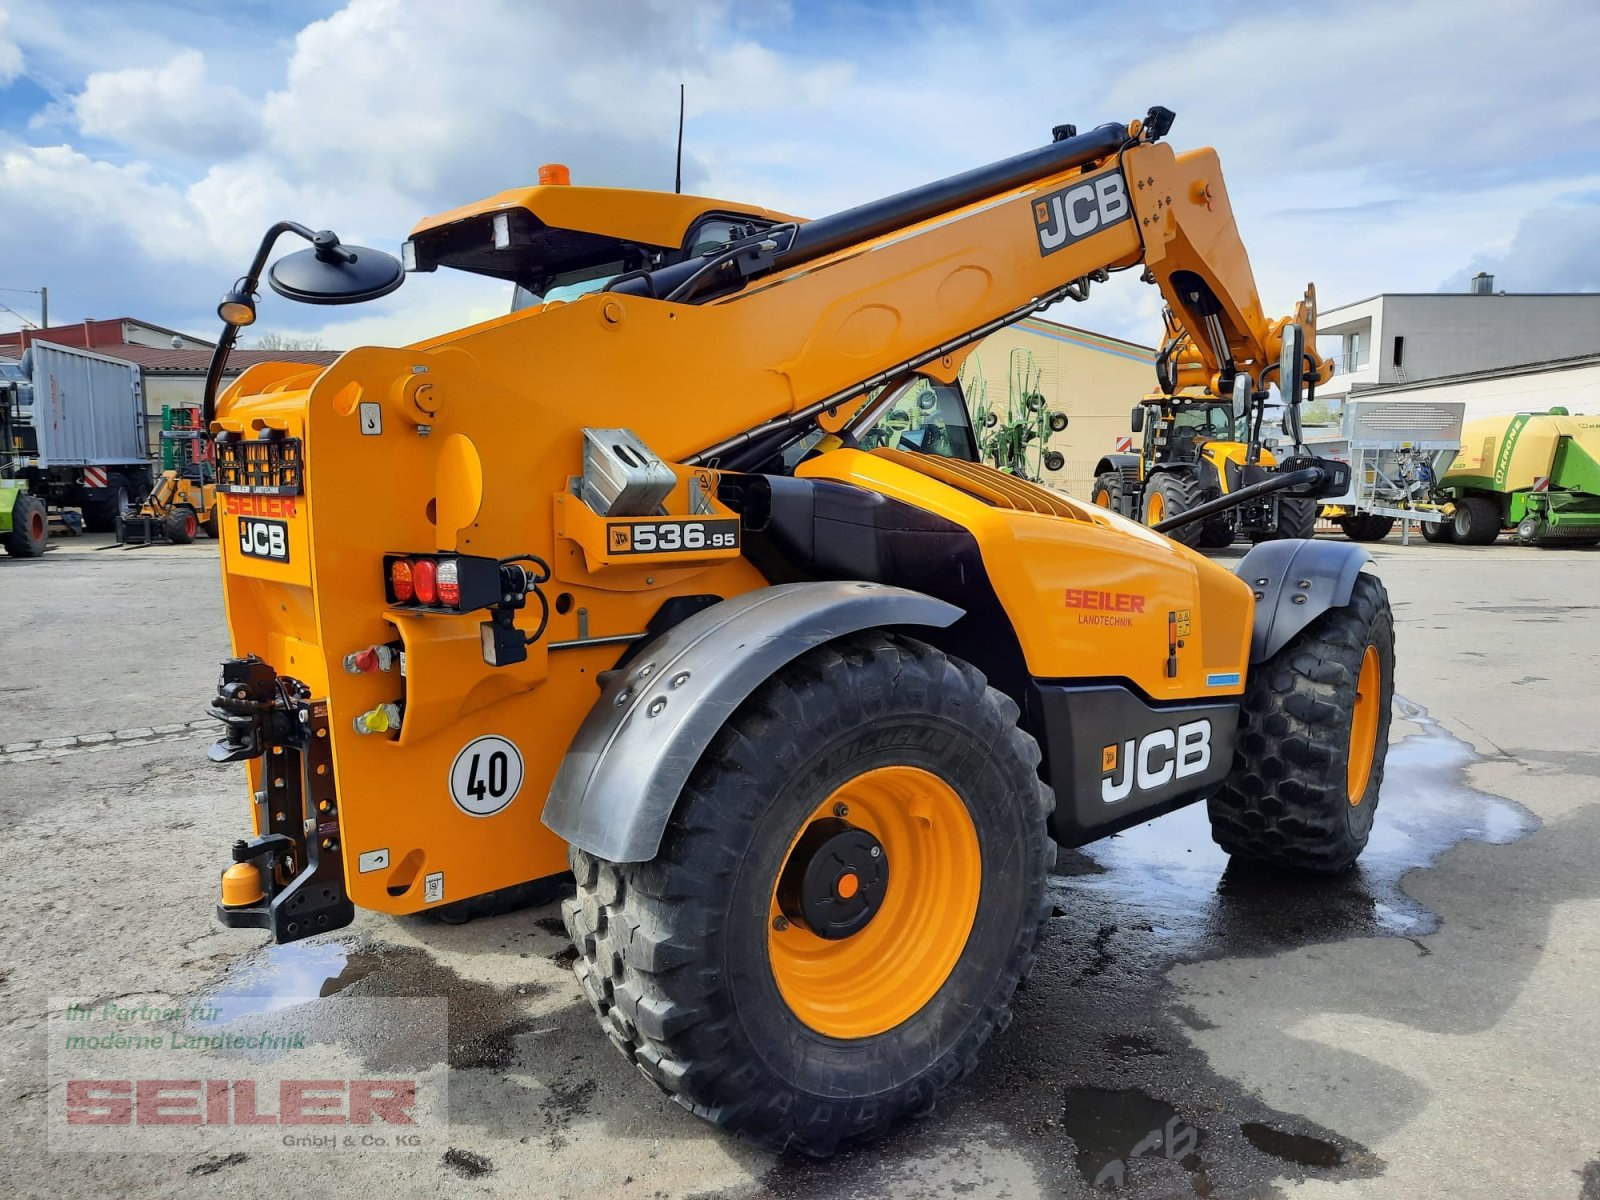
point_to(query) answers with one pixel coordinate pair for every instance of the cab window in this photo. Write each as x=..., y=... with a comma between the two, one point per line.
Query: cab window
x=927, y=417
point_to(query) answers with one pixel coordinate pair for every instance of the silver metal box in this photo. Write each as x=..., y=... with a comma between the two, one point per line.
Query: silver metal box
x=622, y=477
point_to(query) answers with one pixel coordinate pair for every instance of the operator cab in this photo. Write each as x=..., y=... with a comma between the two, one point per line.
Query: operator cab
x=557, y=242
x=1192, y=425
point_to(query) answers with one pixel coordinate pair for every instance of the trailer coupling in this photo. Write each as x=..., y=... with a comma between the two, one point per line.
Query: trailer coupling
x=289, y=878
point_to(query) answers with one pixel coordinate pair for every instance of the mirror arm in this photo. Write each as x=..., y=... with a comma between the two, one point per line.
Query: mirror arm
x=230, y=333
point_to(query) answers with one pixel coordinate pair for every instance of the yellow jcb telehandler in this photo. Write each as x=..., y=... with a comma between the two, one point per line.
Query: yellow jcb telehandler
x=1202, y=446
x=806, y=715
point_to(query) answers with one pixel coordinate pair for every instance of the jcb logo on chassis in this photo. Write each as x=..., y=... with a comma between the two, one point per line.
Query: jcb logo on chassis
x=264, y=539
x=1073, y=213
x=1154, y=760
x=673, y=537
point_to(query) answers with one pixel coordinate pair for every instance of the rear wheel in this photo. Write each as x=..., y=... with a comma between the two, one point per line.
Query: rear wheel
x=181, y=525
x=841, y=907
x=1167, y=495
x=213, y=524
x=1437, y=531
x=30, y=527
x=1475, y=522
x=1308, y=763
x=1108, y=492
x=1366, y=527
x=100, y=516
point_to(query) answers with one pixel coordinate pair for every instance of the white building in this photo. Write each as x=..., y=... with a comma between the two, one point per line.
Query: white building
x=1401, y=339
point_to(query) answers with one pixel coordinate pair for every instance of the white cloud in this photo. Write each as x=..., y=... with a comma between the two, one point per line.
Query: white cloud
x=171, y=109
x=1363, y=146
x=10, y=52
x=1555, y=249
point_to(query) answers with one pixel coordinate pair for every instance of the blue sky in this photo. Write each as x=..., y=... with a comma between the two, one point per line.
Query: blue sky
x=1368, y=146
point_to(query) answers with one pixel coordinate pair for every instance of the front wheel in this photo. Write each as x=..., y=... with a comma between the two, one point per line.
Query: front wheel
x=1437, y=532
x=1313, y=736
x=182, y=524
x=1168, y=494
x=844, y=901
x=30, y=527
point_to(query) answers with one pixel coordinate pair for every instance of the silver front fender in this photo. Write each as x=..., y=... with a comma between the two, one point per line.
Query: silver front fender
x=621, y=777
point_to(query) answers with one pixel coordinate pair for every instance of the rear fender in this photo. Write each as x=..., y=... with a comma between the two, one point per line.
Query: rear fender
x=617, y=785
x=1117, y=462
x=1295, y=582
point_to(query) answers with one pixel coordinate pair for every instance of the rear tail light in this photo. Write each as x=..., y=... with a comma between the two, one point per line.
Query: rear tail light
x=400, y=581
x=449, y=580
x=424, y=576
x=454, y=583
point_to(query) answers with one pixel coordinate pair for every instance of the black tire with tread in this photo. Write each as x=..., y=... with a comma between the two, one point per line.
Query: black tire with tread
x=30, y=527
x=1475, y=522
x=1179, y=492
x=1109, y=485
x=1286, y=800
x=212, y=525
x=101, y=516
x=677, y=970
x=1366, y=527
x=1297, y=518
x=181, y=525
x=1437, y=532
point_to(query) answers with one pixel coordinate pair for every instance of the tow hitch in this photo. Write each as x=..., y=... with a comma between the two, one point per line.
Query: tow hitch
x=290, y=878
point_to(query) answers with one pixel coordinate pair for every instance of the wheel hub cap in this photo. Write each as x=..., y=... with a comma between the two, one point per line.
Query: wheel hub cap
x=835, y=879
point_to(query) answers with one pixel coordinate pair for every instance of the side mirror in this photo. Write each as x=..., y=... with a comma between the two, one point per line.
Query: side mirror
x=1136, y=422
x=333, y=273
x=1292, y=366
x=1241, y=395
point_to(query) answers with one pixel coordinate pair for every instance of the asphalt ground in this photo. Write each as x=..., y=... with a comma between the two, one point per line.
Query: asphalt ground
x=1426, y=1026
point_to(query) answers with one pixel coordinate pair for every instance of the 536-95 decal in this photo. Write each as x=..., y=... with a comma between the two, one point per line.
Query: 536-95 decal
x=672, y=537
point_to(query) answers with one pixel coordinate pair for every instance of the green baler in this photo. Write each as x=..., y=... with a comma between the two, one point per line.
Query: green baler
x=1536, y=473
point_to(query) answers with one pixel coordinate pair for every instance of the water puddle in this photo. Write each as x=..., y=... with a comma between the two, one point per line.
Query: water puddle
x=1110, y=1127
x=279, y=977
x=485, y=1021
x=1169, y=874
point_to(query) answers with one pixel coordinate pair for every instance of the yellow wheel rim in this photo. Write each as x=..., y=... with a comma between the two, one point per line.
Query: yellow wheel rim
x=1103, y=498
x=872, y=980
x=1156, y=509
x=1364, y=727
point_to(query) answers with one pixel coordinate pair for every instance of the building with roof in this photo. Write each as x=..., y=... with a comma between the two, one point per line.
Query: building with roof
x=1405, y=341
x=172, y=364
x=102, y=335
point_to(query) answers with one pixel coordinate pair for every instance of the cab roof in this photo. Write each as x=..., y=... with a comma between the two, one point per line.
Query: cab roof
x=647, y=218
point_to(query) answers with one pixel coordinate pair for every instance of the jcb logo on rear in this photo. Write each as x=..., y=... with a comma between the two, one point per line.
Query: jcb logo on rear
x=264, y=539
x=1073, y=213
x=1154, y=760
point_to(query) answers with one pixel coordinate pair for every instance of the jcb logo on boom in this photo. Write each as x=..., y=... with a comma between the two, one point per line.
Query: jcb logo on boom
x=1073, y=213
x=1155, y=760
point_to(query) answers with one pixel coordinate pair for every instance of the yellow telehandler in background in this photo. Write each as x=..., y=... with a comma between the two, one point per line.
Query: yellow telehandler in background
x=1200, y=446
x=806, y=714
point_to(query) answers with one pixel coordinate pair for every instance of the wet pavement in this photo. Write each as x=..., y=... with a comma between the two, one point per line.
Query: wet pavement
x=1425, y=1025
x=1095, y=1081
